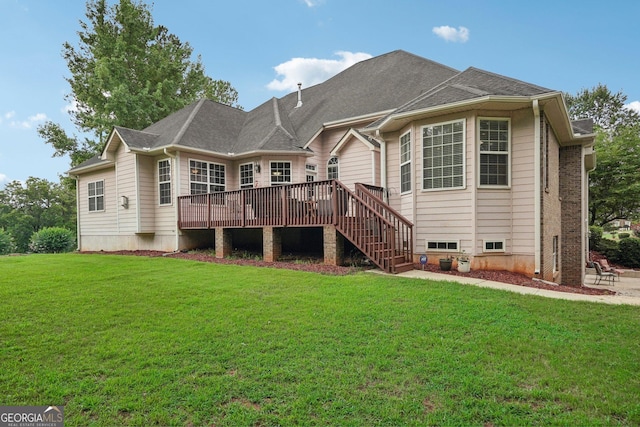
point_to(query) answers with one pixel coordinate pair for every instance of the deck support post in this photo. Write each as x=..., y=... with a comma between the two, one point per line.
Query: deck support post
x=271, y=243
x=224, y=242
x=333, y=245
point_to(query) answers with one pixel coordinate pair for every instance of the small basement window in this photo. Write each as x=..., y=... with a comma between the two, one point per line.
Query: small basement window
x=493, y=246
x=443, y=245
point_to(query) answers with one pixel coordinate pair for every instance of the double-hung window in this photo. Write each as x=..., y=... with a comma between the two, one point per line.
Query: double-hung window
x=96, y=196
x=494, y=152
x=164, y=182
x=280, y=173
x=443, y=155
x=205, y=177
x=405, y=162
x=246, y=175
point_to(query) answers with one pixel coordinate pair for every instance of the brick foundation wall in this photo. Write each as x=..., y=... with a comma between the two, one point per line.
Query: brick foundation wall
x=224, y=242
x=333, y=246
x=271, y=243
x=572, y=263
x=550, y=204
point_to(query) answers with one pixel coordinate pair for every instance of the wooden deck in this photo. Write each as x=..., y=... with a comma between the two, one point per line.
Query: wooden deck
x=362, y=216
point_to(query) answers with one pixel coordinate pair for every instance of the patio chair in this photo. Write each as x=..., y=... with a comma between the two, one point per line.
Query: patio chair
x=607, y=268
x=606, y=275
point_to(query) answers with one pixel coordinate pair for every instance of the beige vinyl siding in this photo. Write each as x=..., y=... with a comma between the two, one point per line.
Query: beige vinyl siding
x=356, y=163
x=147, y=171
x=165, y=216
x=522, y=182
x=126, y=186
x=443, y=215
x=100, y=222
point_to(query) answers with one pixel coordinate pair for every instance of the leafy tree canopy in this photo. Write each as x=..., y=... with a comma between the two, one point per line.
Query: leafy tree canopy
x=128, y=72
x=26, y=208
x=614, y=190
x=607, y=109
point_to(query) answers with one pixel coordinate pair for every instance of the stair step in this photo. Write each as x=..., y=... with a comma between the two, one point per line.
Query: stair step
x=405, y=266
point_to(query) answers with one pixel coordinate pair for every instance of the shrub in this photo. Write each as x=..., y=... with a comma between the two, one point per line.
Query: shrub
x=629, y=253
x=624, y=235
x=52, y=240
x=609, y=248
x=595, y=237
x=6, y=243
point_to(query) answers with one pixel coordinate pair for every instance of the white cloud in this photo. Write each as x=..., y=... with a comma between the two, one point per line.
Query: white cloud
x=9, y=115
x=26, y=124
x=451, y=34
x=635, y=105
x=313, y=3
x=311, y=71
x=3, y=178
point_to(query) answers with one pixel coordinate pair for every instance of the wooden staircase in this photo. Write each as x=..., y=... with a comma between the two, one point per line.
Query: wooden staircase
x=380, y=232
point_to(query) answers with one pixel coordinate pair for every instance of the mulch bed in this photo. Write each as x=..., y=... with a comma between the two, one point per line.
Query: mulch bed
x=319, y=267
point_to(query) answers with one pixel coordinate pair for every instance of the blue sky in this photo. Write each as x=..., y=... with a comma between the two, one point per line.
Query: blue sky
x=264, y=47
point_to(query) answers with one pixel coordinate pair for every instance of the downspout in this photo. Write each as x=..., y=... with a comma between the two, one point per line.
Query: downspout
x=78, y=235
x=383, y=163
x=537, y=232
x=176, y=246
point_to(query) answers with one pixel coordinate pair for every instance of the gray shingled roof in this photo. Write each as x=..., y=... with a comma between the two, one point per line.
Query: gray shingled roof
x=369, y=87
x=472, y=83
x=395, y=82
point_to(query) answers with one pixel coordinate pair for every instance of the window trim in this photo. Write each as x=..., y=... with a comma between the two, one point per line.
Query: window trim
x=160, y=183
x=95, y=196
x=488, y=241
x=335, y=165
x=445, y=242
x=271, y=174
x=208, y=182
x=253, y=175
x=508, y=154
x=464, y=154
x=408, y=163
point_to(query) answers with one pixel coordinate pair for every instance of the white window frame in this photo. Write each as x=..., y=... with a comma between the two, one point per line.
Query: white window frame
x=209, y=184
x=493, y=242
x=333, y=168
x=164, y=183
x=95, y=196
x=462, y=175
x=439, y=243
x=498, y=153
x=555, y=253
x=251, y=168
x=277, y=173
x=405, y=163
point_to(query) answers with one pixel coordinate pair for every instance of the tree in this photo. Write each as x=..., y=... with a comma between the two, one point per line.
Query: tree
x=614, y=186
x=26, y=208
x=607, y=109
x=614, y=190
x=125, y=71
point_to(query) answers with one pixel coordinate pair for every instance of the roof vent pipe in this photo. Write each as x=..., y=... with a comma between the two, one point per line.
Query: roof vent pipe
x=299, y=104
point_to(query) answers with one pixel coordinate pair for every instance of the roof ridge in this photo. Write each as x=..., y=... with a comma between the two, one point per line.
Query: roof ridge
x=278, y=120
x=187, y=122
x=502, y=76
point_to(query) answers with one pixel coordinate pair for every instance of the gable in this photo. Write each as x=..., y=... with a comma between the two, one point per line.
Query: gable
x=353, y=135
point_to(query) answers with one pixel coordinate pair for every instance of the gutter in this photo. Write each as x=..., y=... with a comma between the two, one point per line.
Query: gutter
x=536, y=187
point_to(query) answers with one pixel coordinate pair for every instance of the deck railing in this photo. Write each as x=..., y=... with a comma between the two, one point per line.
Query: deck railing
x=375, y=228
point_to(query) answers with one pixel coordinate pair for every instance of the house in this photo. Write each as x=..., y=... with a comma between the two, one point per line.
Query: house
x=399, y=155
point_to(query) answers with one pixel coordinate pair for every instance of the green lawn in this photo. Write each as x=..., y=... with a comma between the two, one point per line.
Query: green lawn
x=159, y=341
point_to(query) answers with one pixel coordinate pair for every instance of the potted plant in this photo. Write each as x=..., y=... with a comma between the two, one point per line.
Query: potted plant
x=464, y=264
x=445, y=263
